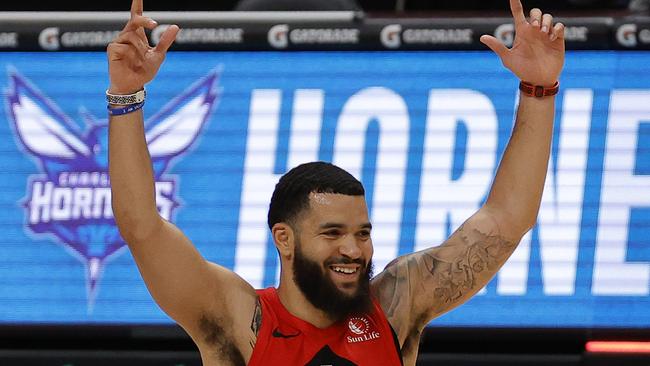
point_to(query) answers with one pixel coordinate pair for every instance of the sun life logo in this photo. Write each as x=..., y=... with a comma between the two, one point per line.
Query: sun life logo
x=358, y=325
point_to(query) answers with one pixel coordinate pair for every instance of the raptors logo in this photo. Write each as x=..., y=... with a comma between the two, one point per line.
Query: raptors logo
x=69, y=201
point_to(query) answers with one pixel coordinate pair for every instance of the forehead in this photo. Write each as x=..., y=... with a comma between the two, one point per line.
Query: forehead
x=336, y=208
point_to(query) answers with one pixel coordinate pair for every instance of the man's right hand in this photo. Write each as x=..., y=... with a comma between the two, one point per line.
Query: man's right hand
x=131, y=61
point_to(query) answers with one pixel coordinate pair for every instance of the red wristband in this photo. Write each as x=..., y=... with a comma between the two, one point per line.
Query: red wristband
x=538, y=90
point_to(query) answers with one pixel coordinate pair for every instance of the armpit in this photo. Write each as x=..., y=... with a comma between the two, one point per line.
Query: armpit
x=219, y=341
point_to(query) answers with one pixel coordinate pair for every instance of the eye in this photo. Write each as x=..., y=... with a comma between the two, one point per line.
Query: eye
x=364, y=234
x=332, y=233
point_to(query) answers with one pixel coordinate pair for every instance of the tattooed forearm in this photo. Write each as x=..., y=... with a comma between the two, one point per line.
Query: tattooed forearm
x=464, y=265
x=256, y=322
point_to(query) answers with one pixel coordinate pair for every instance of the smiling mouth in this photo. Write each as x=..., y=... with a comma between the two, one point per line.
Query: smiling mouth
x=345, y=270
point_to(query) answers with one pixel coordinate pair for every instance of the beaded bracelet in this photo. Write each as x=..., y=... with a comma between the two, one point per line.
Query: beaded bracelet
x=124, y=110
x=126, y=99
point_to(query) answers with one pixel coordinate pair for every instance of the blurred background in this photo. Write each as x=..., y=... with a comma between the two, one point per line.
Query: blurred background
x=400, y=93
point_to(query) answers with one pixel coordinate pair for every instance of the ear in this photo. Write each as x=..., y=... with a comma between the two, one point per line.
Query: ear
x=283, y=236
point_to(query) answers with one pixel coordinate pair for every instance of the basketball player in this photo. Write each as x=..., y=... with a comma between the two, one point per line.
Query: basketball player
x=328, y=309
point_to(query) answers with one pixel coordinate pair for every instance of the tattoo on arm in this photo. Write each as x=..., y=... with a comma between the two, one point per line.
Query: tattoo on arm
x=468, y=265
x=422, y=285
x=256, y=322
x=395, y=284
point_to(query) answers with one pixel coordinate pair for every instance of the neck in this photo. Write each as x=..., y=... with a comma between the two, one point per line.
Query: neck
x=297, y=304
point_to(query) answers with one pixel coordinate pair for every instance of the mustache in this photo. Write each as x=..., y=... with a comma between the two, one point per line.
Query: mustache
x=345, y=260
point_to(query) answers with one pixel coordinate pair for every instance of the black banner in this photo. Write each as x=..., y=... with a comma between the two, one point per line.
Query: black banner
x=205, y=31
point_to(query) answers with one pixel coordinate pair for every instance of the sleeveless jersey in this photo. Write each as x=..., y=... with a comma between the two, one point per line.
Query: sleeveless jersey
x=284, y=339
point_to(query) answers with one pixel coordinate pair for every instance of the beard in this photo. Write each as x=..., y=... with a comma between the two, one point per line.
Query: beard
x=319, y=289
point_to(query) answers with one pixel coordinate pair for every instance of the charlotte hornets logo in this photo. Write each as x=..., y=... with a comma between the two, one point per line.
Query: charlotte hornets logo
x=70, y=200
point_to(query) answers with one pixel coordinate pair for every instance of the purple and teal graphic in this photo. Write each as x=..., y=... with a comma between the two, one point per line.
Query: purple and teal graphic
x=70, y=199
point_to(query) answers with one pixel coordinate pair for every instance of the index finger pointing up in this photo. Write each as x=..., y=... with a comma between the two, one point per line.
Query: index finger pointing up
x=136, y=7
x=517, y=11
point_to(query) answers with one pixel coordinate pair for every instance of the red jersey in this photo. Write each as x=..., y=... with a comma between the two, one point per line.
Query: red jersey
x=284, y=339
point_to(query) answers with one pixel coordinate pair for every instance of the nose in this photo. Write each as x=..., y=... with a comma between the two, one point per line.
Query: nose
x=350, y=248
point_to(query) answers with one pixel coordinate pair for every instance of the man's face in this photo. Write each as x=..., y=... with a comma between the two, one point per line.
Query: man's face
x=333, y=251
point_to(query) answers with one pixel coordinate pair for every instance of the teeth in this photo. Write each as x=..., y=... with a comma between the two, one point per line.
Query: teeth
x=344, y=270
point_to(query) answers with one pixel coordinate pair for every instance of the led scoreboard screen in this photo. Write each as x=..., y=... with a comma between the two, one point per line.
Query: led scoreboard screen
x=424, y=131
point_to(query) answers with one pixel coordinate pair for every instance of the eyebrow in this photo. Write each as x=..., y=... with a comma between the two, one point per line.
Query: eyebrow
x=335, y=225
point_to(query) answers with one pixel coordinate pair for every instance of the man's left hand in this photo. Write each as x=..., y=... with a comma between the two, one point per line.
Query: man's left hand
x=537, y=53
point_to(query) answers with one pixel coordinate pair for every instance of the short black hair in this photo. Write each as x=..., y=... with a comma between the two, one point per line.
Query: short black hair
x=291, y=194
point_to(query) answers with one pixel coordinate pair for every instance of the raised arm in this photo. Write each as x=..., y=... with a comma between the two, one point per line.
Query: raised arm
x=418, y=287
x=186, y=286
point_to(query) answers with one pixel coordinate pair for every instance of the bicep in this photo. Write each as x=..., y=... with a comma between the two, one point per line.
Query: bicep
x=179, y=279
x=420, y=286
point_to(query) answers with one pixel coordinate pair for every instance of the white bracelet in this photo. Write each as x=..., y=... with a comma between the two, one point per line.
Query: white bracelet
x=126, y=99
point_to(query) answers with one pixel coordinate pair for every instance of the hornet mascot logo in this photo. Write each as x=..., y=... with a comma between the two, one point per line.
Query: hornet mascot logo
x=70, y=201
